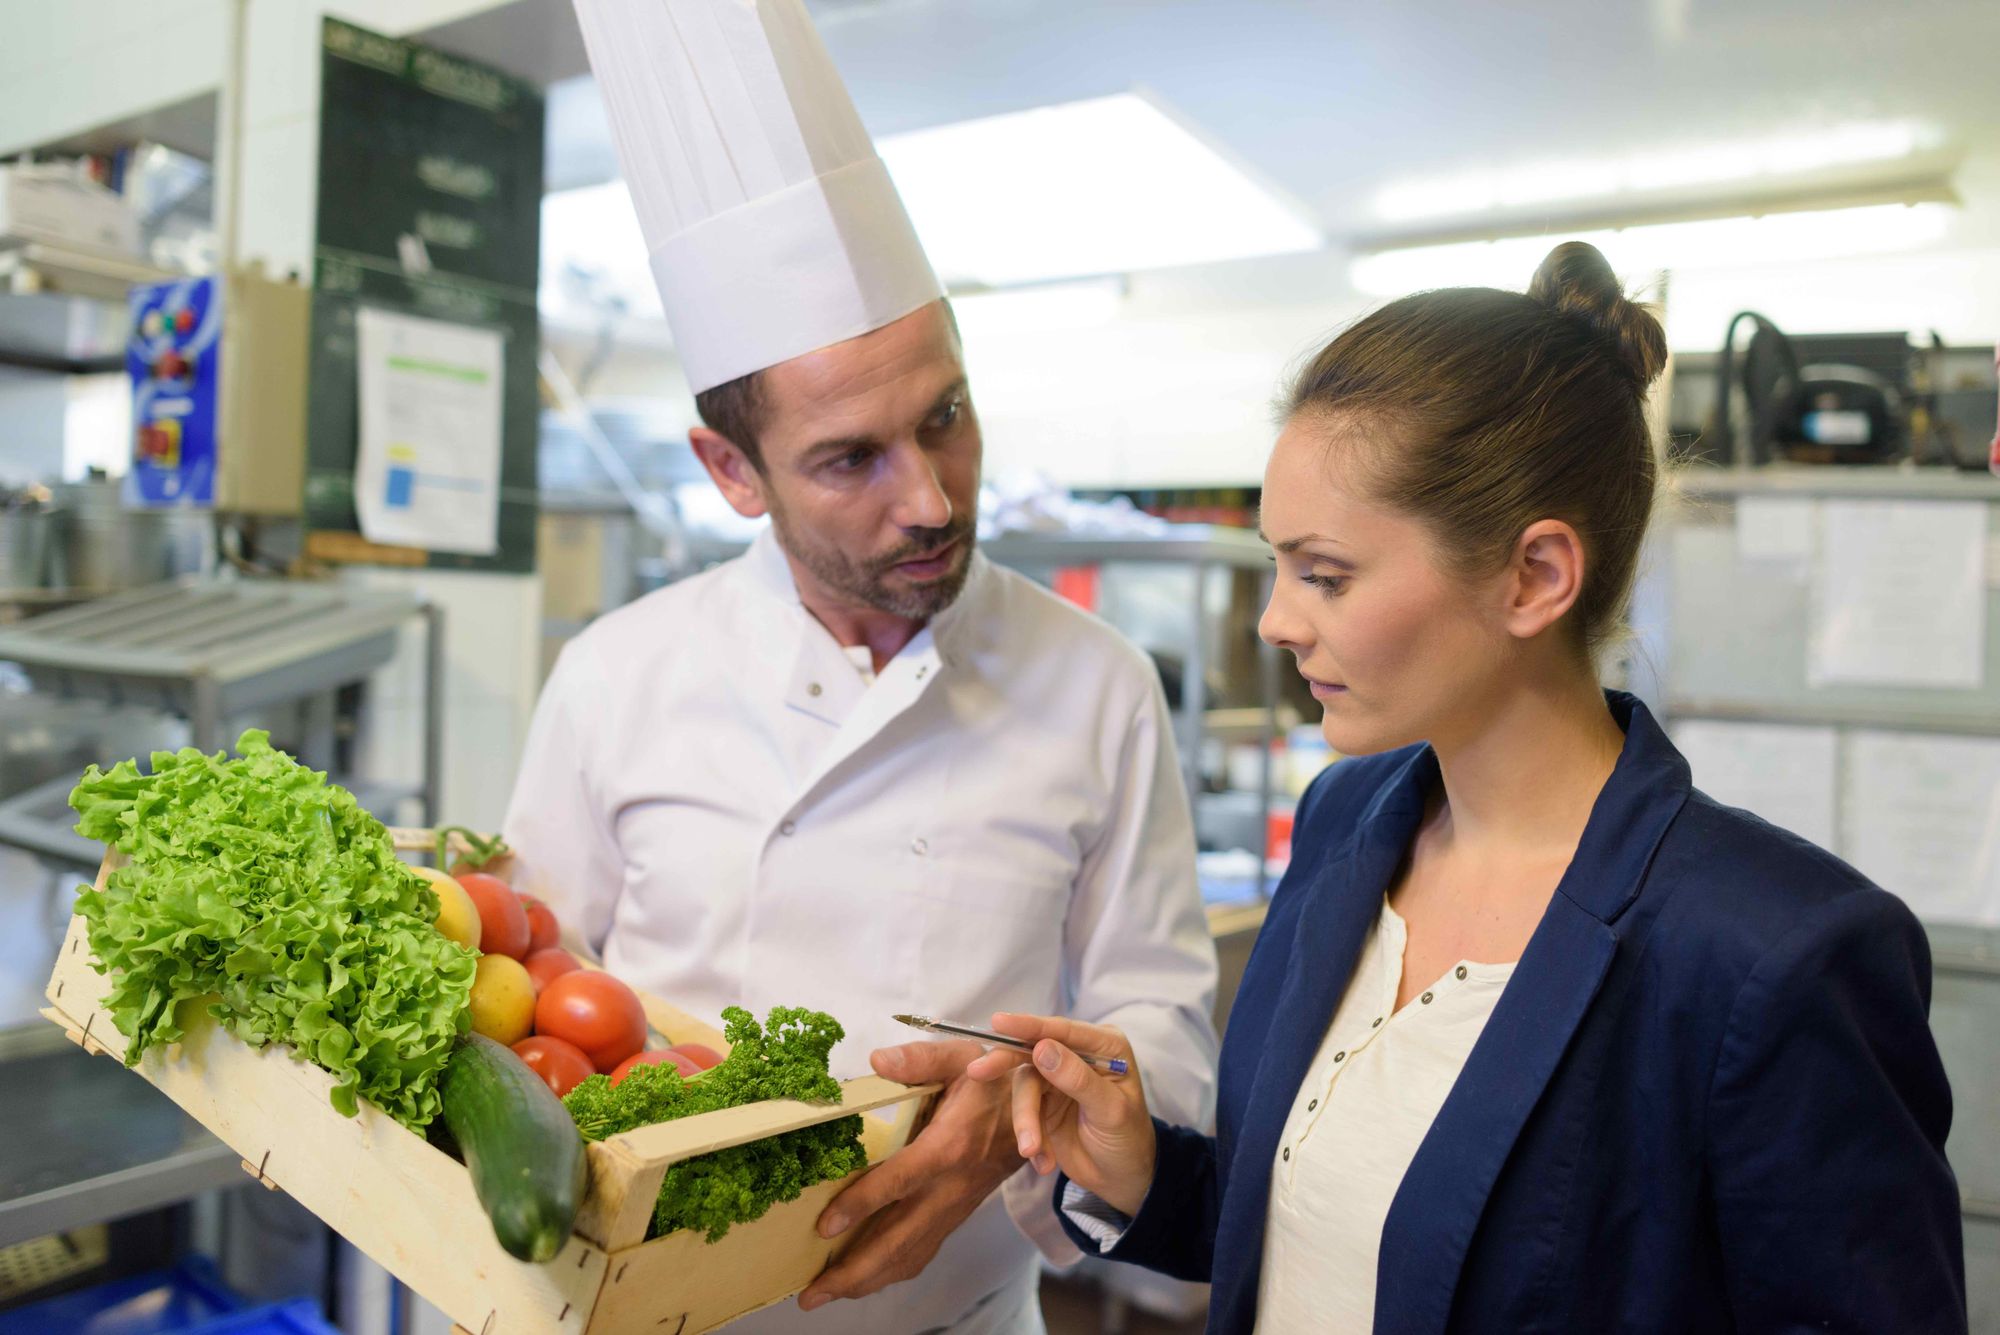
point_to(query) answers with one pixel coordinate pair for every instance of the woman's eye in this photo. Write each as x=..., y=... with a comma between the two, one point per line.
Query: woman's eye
x=1328, y=584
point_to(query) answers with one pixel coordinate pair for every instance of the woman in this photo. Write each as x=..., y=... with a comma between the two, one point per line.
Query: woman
x=1536, y=1037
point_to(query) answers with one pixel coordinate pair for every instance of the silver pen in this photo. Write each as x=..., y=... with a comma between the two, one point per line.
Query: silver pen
x=1113, y=1066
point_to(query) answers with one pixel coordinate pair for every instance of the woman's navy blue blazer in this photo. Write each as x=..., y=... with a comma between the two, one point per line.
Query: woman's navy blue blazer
x=1708, y=1099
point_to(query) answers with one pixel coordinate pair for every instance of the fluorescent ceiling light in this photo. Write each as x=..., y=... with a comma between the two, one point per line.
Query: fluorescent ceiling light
x=1082, y=304
x=1104, y=186
x=1640, y=174
x=1719, y=243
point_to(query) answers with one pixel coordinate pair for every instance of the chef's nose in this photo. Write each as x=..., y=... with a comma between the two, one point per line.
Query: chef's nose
x=921, y=500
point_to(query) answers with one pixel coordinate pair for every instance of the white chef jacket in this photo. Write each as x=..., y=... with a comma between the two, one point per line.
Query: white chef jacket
x=716, y=800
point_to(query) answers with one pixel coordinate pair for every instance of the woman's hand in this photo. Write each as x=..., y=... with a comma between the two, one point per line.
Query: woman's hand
x=1067, y=1115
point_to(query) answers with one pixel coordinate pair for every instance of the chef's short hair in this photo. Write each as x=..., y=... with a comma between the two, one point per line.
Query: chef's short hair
x=736, y=408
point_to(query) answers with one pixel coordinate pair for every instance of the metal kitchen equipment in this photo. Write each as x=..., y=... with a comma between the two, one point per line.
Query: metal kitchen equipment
x=214, y=649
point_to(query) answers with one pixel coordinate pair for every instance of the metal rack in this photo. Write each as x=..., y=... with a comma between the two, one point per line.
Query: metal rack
x=1206, y=550
x=212, y=649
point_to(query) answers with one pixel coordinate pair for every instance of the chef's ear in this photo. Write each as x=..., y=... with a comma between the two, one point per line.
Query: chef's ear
x=739, y=480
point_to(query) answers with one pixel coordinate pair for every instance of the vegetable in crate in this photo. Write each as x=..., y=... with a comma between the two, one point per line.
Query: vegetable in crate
x=523, y=1152
x=255, y=880
x=786, y=1058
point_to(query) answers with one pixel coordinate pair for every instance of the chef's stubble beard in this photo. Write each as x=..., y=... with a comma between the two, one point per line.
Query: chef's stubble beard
x=865, y=582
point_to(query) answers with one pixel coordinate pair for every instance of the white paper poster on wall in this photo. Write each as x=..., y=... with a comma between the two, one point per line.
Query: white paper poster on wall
x=428, y=470
x=1778, y=771
x=1899, y=594
x=1921, y=817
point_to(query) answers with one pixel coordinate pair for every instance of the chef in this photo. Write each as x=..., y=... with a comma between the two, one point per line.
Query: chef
x=860, y=768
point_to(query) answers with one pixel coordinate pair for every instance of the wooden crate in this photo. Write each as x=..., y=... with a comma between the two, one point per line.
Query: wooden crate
x=410, y=1207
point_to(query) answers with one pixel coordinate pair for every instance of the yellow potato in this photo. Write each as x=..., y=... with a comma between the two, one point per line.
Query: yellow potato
x=503, y=1000
x=457, y=917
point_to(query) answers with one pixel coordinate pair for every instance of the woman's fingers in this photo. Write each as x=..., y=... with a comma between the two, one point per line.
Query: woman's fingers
x=1100, y=1040
x=1027, y=1097
x=1097, y=1098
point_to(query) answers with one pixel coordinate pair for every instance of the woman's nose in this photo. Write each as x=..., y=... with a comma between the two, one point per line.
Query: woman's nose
x=1280, y=627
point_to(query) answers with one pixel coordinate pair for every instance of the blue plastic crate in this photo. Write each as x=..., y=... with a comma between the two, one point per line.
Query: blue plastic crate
x=159, y=1302
x=300, y=1316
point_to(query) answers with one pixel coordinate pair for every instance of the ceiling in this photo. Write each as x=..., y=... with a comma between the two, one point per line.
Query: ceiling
x=1331, y=100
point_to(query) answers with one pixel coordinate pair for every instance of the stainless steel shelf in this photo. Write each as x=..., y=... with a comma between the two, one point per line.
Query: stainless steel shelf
x=1861, y=482
x=89, y=1142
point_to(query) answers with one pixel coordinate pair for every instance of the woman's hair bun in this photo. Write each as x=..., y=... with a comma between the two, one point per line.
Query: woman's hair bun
x=1576, y=280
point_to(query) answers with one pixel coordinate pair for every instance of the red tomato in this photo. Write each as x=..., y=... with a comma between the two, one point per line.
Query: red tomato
x=503, y=923
x=703, y=1055
x=542, y=929
x=594, y=1011
x=562, y=1066
x=680, y=1061
x=543, y=965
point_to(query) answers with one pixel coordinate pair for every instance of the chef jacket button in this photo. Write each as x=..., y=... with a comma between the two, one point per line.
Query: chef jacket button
x=788, y=828
x=1312, y=1105
x=1288, y=1154
x=1377, y=1024
x=1339, y=1057
x=1427, y=998
x=813, y=689
x=919, y=847
x=1461, y=971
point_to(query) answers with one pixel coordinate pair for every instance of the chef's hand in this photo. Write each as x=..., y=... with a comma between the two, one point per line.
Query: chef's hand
x=1069, y=1116
x=907, y=1205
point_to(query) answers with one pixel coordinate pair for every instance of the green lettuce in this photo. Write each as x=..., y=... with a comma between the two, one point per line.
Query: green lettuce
x=256, y=885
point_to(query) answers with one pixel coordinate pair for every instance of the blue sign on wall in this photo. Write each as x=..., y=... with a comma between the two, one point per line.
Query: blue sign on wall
x=174, y=355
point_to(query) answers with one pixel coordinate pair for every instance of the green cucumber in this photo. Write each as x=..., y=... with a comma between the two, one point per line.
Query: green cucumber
x=520, y=1145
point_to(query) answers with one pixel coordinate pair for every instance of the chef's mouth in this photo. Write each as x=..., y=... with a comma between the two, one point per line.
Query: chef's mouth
x=934, y=562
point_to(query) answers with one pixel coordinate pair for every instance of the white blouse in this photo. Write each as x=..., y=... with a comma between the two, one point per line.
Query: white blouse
x=1356, y=1123
x=1363, y=1109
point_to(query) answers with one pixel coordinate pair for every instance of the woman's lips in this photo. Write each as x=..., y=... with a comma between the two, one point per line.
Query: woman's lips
x=1325, y=690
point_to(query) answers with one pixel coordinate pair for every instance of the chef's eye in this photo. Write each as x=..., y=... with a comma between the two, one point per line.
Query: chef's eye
x=854, y=460
x=945, y=417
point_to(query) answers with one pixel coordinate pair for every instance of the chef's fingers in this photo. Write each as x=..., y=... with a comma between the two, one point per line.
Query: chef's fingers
x=1100, y=1040
x=1097, y=1098
x=884, y=1184
x=924, y=1063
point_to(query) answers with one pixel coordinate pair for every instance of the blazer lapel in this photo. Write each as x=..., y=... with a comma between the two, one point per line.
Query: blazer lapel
x=1343, y=904
x=1437, y=1207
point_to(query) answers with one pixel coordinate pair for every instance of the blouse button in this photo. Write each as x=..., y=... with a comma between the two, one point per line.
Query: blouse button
x=1377, y=1024
x=1339, y=1057
x=1312, y=1105
x=1427, y=998
x=1461, y=971
x=1288, y=1154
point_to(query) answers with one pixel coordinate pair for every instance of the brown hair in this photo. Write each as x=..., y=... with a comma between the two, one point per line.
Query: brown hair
x=1504, y=409
x=736, y=408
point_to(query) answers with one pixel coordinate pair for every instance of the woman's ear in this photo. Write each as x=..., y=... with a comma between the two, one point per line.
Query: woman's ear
x=1545, y=577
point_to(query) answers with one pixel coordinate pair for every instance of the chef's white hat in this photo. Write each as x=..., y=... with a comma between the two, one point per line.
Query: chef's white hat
x=773, y=226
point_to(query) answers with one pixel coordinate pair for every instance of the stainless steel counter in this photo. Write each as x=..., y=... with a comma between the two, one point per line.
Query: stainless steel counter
x=84, y=1140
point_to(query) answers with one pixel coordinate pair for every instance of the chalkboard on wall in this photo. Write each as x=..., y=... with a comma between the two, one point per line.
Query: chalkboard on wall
x=430, y=191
